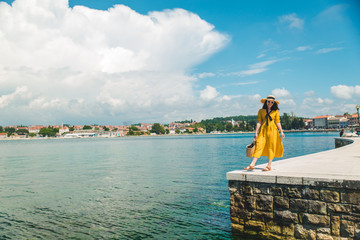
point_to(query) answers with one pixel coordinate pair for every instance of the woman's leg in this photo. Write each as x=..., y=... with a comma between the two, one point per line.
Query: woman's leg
x=252, y=164
x=268, y=167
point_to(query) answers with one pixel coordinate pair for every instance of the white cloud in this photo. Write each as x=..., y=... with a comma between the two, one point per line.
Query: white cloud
x=263, y=64
x=104, y=65
x=317, y=101
x=323, y=100
x=238, y=84
x=117, y=40
x=245, y=83
x=119, y=59
x=43, y=103
x=261, y=56
x=292, y=20
x=226, y=98
x=303, y=48
x=206, y=74
x=251, y=72
x=231, y=97
x=331, y=14
x=289, y=102
x=255, y=68
x=284, y=96
x=228, y=105
x=209, y=93
x=310, y=93
x=327, y=50
x=281, y=92
x=18, y=97
x=316, y=106
x=255, y=97
x=345, y=92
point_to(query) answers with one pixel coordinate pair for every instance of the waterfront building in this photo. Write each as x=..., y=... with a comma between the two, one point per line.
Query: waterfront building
x=63, y=130
x=320, y=122
x=344, y=122
x=17, y=136
x=106, y=134
x=201, y=130
x=232, y=122
x=179, y=125
x=172, y=130
x=190, y=129
x=35, y=129
x=182, y=130
x=123, y=130
x=353, y=119
x=146, y=126
x=78, y=127
x=3, y=135
x=80, y=135
x=82, y=132
x=309, y=123
x=333, y=122
x=120, y=133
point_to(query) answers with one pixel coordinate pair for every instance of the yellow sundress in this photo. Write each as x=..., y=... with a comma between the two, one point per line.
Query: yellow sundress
x=268, y=142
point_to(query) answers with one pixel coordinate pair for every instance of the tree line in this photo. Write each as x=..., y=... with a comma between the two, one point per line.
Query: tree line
x=46, y=131
x=291, y=122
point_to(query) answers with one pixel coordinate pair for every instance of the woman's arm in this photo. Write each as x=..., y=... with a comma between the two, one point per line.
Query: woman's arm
x=258, y=125
x=280, y=128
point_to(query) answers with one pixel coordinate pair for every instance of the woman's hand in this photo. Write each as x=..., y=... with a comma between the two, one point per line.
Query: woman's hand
x=258, y=125
x=280, y=129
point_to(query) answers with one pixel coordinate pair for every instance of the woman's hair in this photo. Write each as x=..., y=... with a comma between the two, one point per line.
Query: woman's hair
x=273, y=107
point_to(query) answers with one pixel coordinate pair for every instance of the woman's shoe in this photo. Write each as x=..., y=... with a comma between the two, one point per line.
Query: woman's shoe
x=267, y=169
x=249, y=168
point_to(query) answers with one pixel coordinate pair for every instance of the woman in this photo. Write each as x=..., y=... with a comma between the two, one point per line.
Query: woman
x=341, y=132
x=268, y=141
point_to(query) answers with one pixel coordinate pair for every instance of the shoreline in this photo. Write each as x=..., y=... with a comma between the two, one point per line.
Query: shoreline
x=183, y=134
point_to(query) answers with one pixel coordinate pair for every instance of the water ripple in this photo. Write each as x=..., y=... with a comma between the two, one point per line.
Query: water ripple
x=126, y=188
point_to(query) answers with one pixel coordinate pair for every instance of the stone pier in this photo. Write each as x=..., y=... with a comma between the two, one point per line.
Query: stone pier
x=315, y=196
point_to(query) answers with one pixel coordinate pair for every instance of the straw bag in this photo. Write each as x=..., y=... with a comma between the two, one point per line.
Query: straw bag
x=250, y=149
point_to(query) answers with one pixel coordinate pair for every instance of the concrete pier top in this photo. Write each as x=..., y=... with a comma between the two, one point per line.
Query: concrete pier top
x=340, y=167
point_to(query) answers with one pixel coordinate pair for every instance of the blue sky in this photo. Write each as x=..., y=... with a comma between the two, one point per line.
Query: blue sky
x=160, y=61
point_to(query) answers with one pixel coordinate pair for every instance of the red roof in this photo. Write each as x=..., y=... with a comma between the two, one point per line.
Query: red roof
x=325, y=116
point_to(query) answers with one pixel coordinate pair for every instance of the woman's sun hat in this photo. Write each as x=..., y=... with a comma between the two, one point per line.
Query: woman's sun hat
x=269, y=98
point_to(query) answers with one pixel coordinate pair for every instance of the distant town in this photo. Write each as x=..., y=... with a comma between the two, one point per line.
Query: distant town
x=212, y=126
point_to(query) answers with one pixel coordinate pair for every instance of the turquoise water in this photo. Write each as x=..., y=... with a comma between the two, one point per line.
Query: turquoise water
x=161, y=187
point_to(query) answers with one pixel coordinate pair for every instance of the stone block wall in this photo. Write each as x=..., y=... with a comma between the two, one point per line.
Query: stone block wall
x=340, y=142
x=282, y=211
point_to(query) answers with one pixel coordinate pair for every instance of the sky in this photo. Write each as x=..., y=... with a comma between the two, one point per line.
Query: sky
x=123, y=62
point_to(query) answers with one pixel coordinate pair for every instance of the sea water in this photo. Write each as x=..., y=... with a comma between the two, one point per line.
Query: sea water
x=158, y=187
